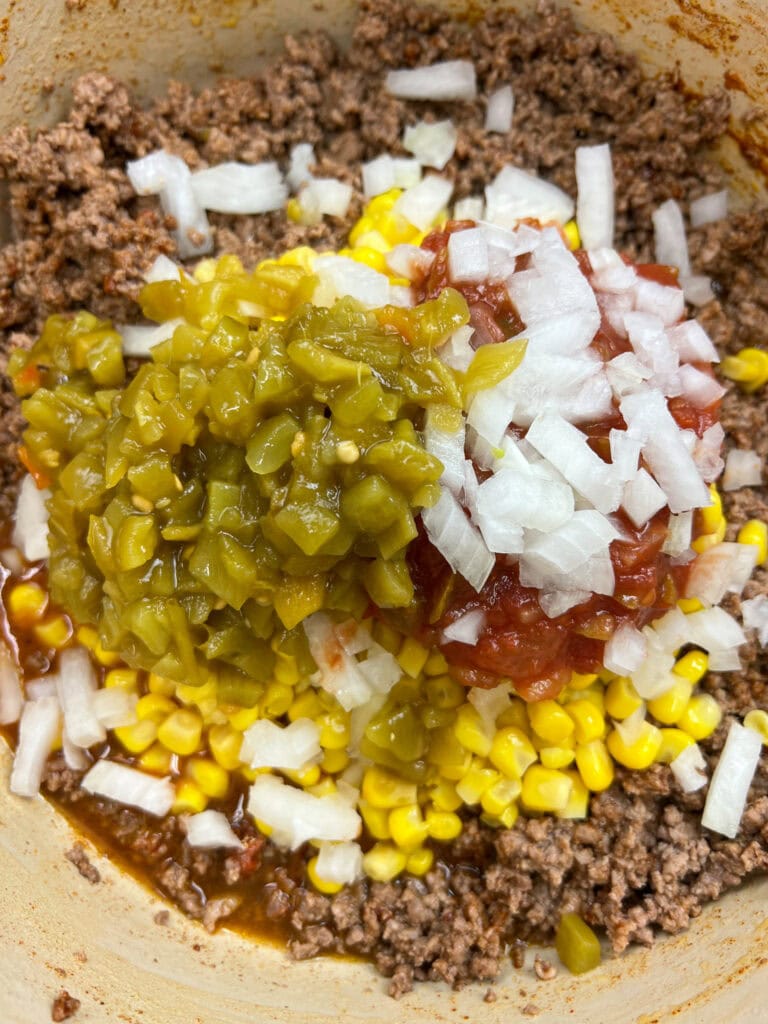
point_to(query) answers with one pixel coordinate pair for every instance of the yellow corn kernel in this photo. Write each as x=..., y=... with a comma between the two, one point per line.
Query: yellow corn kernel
x=334, y=761
x=443, y=825
x=556, y=757
x=711, y=517
x=224, y=743
x=158, y=760
x=305, y=705
x=54, y=632
x=692, y=666
x=577, y=807
x=181, y=731
x=155, y=707
x=470, y=731
x=500, y=795
x=376, y=819
x=382, y=788
x=122, y=679
x=243, y=718
x=321, y=884
x=749, y=368
x=383, y=862
x=582, y=682
x=27, y=603
x=325, y=787
x=293, y=210
x=190, y=799
x=621, y=698
x=304, y=777
x=444, y=795
x=755, y=532
x=395, y=228
x=334, y=729
x=545, y=789
x=709, y=540
x=412, y=657
x=668, y=707
x=435, y=665
x=89, y=638
x=515, y=715
x=137, y=737
x=444, y=693
x=197, y=695
x=211, y=778
x=420, y=861
x=638, y=755
x=512, y=752
x=388, y=637
x=572, y=236
x=595, y=695
x=276, y=700
x=550, y=721
x=757, y=720
x=477, y=780
x=673, y=743
x=407, y=826
x=508, y=816
x=701, y=717
x=688, y=605
x=159, y=684
x=588, y=721
x=286, y=670
x=364, y=224
x=595, y=765
x=369, y=251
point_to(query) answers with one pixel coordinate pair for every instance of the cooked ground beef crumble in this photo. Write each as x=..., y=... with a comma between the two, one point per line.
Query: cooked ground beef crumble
x=81, y=238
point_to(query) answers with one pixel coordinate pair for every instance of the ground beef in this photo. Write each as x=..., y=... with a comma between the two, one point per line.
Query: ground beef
x=82, y=862
x=80, y=237
x=64, y=1006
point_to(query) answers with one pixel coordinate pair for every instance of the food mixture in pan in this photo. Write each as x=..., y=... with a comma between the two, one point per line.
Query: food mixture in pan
x=382, y=465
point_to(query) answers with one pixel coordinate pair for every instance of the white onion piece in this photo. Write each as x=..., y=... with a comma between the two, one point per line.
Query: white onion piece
x=489, y=704
x=432, y=143
x=648, y=418
x=466, y=629
x=458, y=541
x=240, y=188
x=74, y=757
x=697, y=289
x=324, y=197
x=421, y=204
x=626, y=373
x=631, y=728
x=731, y=780
x=664, y=301
x=302, y=158
x=714, y=629
x=11, y=559
x=469, y=208
x=457, y=352
x=341, y=276
x=670, y=237
x=679, y=534
x=706, y=452
x=140, y=339
x=131, y=787
x=42, y=686
x=11, y=694
x=743, y=468
x=701, y=389
x=334, y=647
x=449, y=449
x=692, y=343
x=296, y=816
x=709, y=208
x=725, y=661
x=407, y=171
x=211, y=830
x=642, y=498
x=690, y=769
x=499, y=110
x=468, y=256
x=339, y=863
x=115, y=708
x=515, y=195
x=670, y=631
x=567, y=449
x=163, y=269
x=557, y=602
x=617, y=278
x=76, y=685
x=378, y=176
x=38, y=731
x=625, y=454
x=654, y=676
x=724, y=568
x=30, y=521
x=754, y=613
x=625, y=650
x=163, y=174
x=527, y=499
x=563, y=334
x=291, y=747
x=409, y=260
x=595, y=203
x=549, y=558
x=445, y=80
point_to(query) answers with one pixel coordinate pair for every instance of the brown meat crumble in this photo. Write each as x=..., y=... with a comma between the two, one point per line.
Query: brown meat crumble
x=81, y=238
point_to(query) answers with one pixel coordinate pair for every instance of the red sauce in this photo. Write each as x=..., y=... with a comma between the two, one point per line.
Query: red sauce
x=519, y=642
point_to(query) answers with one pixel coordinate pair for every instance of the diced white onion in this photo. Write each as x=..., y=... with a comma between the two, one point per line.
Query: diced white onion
x=466, y=629
x=334, y=648
x=664, y=301
x=706, y=452
x=38, y=731
x=714, y=629
x=409, y=261
x=210, y=830
x=625, y=650
x=114, y=707
x=499, y=111
x=163, y=174
x=240, y=188
x=422, y=203
x=445, y=80
x=11, y=694
x=556, y=602
x=743, y=468
x=458, y=540
x=515, y=195
x=449, y=449
x=296, y=816
x=491, y=703
x=692, y=343
x=469, y=208
x=631, y=728
x=709, y=208
x=76, y=685
x=42, y=686
x=670, y=237
x=754, y=614
x=432, y=143
x=139, y=340
x=701, y=389
x=731, y=780
x=162, y=269
x=341, y=276
x=642, y=498
x=131, y=787
x=378, y=176
x=289, y=748
x=30, y=521
x=595, y=203
x=75, y=757
x=697, y=289
x=690, y=769
x=302, y=158
x=679, y=534
x=468, y=256
x=339, y=863
x=721, y=569
x=324, y=197
x=527, y=499
x=407, y=171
